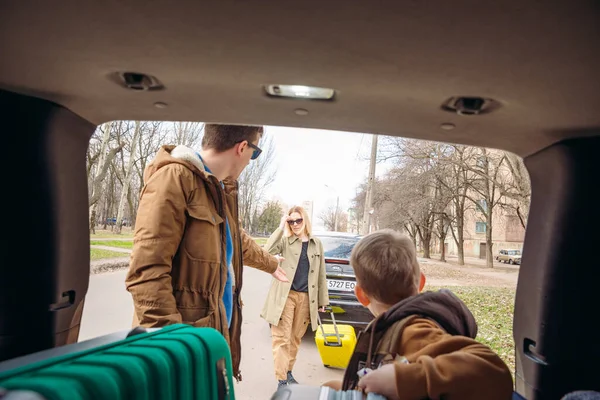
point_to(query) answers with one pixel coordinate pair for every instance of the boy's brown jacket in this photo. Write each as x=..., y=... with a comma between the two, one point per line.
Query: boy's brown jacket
x=437, y=339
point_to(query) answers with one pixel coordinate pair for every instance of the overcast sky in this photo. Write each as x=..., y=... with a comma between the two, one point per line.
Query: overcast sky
x=308, y=159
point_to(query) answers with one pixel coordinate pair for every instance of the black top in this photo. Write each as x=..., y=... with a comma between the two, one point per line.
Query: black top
x=300, y=283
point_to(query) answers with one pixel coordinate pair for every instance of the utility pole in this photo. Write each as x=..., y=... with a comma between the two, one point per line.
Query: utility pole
x=337, y=207
x=366, y=225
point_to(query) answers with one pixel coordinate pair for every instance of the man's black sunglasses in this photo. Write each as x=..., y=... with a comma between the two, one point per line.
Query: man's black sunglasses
x=257, y=150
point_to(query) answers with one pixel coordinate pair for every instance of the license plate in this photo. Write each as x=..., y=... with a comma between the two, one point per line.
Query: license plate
x=346, y=286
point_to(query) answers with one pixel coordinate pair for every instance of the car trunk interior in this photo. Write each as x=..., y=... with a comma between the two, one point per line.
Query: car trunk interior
x=394, y=67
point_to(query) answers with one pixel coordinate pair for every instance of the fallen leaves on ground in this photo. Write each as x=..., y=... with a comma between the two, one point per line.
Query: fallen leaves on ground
x=493, y=309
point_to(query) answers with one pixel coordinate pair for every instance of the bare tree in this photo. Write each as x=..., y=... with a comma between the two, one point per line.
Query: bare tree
x=148, y=145
x=342, y=221
x=456, y=181
x=487, y=193
x=433, y=185
x=188, y=133
x=334, y=214
x=117, y=157
x=99, y=165
x=516, y=187
x=127, y=176
x=421, y=166
x=253, y=183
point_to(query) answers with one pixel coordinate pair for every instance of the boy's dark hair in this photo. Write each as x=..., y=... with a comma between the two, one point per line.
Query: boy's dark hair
x=386, y=267
x=223, y=137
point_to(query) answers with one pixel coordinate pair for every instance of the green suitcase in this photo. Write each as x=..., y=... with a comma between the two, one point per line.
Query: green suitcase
x=175, y=362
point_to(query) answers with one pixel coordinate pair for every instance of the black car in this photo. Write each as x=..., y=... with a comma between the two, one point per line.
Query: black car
x=341, y=280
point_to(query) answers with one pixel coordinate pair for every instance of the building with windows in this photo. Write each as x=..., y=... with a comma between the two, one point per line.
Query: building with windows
x=507, y=232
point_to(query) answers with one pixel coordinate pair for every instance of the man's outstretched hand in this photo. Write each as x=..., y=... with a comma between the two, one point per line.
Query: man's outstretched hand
x=280, y=275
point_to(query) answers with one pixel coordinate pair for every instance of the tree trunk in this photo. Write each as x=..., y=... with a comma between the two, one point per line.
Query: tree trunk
x=460, y=237
x=442, y=236
x=110, y=196
x=461, y=248
x=93, y=220
x=131, y=209
x=128, y=177
x=443, y=250
x=105, y=214
x=99, y=179
x=488, y=241
x=426, y=248
x=426, y=242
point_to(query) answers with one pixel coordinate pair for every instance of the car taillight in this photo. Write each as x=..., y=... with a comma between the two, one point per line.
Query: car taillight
x=336, y=261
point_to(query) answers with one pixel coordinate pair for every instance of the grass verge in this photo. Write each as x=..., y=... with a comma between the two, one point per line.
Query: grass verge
x=493, y=309
x=103, y=234
x=98, y=254
x=261, y=241
x=122, y=244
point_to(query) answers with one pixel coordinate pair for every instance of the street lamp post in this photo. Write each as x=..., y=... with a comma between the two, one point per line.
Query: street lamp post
x=371, y=211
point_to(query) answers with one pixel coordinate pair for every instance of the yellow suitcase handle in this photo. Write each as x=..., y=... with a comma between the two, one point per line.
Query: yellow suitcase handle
x=337, y=333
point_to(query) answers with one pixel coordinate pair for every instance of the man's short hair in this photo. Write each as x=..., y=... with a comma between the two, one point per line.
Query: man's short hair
x=386, y=267
x=223, y=137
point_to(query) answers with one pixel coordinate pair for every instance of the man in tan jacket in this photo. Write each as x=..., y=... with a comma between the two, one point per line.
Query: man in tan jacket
x=189, y=250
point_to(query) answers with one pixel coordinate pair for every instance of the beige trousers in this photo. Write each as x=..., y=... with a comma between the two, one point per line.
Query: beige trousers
x=288, y=334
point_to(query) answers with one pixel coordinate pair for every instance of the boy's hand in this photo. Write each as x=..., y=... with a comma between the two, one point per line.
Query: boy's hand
x=381, y=381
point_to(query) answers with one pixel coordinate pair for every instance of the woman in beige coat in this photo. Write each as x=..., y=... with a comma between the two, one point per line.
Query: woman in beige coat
x=292, y=305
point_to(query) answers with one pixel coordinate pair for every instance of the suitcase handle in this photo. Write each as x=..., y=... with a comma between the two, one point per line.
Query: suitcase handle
x=337, y=333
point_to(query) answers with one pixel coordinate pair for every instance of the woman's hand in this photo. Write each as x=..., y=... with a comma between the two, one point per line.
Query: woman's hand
x=284, y=221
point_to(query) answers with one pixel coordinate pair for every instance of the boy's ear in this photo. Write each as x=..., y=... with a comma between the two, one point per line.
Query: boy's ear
x=422, y=282
x=361, y=296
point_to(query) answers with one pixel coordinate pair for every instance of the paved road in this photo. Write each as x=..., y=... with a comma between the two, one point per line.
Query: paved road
x=108, y=309
x=112, y=239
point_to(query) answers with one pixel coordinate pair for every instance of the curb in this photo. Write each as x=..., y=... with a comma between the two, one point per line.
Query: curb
x=108, y=265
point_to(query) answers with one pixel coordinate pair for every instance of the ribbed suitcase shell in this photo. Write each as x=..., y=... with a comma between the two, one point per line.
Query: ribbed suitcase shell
x=302, y=392
x=176, y=362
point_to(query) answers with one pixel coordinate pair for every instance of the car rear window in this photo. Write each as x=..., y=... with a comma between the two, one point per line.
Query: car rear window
x=338, y=247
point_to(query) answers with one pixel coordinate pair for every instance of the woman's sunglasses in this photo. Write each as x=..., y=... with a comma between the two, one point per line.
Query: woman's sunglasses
x=296, y=222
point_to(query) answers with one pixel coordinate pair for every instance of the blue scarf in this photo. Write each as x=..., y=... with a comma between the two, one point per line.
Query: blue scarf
x=228, y=293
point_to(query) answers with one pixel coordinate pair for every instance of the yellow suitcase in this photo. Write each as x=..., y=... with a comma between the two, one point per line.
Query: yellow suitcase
x=335, y=343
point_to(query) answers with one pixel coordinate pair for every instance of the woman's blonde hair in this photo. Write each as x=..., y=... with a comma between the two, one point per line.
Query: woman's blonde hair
x=307, y=226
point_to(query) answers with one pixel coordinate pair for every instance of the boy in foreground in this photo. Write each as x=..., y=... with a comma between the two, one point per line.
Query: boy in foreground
x=419, y=345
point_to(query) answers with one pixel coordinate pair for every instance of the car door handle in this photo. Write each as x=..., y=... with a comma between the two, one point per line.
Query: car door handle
x=67, y=300
x=531, y=353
